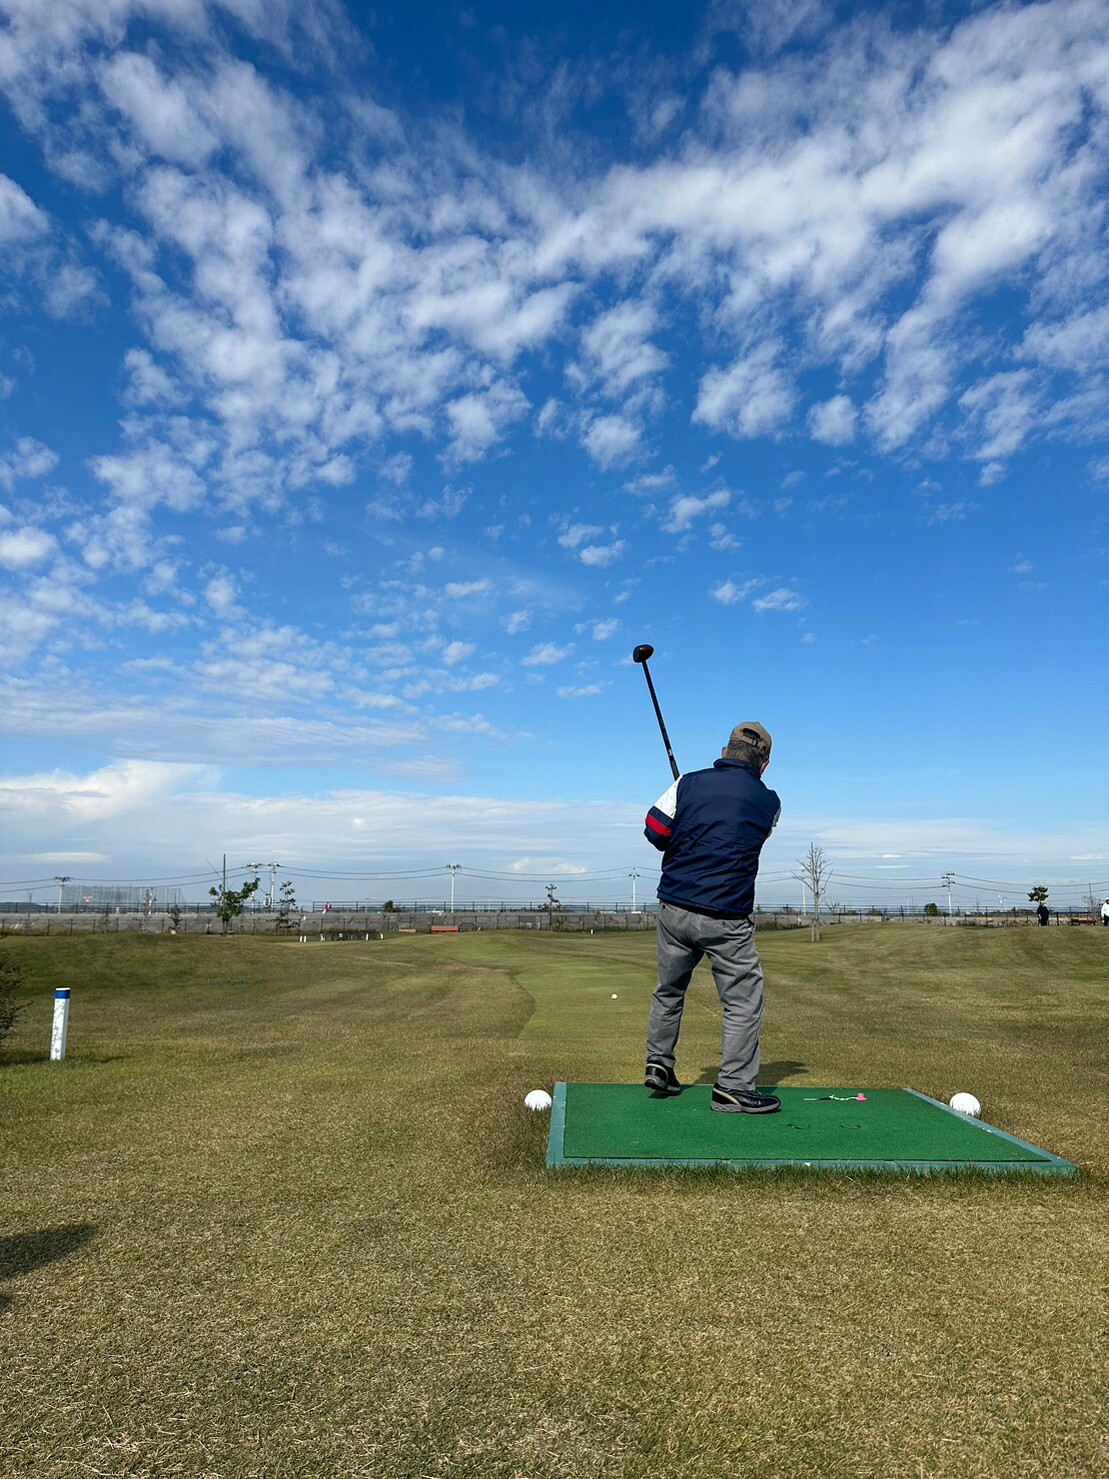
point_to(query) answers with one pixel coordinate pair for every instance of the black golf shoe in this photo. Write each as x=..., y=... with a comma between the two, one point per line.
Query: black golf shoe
x=738, y=1101
x=662, y=1079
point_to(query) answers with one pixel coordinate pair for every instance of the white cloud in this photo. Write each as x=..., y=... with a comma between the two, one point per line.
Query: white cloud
x=611, y=440
x=479, y=420
x=603, y=630
x=602, y=554
x=769, y=25
x=313, y=830
x=546, y=655
x=220, y=594
x=22, y=549
x=722, y=539
x=752, y=397
x=162, y=112
x=617, y=353
x=588, y=690
x=833, y=422
x=20, y=218
x=114, y=791
x=460, y=590
x=397, y=469
x=1079, y=342
x=946, y=513
x=448, y=505
x=730, y=594
x=576, y=534
x=150, y=475
x=1004, y=408
x=783, y=599
x=28, y=459
x=546, y=865
x=648, y=484
x=684, y=509
x=456, y=652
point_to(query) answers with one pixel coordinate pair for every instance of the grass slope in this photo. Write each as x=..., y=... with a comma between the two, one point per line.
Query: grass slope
x=300, y=1225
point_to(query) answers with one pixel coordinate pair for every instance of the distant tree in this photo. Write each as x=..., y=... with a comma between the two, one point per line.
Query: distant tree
x=1038, y=895
x=287, y=905
x=388, y=907
x=932, y=910
x=174, y=912
x=815, y=872
x=12, y=982
x=555, y=910
x=230, y=902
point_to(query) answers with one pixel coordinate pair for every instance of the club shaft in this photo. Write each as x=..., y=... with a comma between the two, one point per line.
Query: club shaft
x=661, y=723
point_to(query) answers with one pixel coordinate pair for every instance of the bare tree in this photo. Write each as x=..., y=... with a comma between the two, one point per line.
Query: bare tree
x=815, y=872
x=556, y=911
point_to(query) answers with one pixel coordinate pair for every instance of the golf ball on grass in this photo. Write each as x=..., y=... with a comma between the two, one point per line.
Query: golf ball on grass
x=966, y=1104
x=537, y=1099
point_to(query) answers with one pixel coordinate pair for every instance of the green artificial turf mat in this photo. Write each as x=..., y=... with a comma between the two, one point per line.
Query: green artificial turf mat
x=829, y=1128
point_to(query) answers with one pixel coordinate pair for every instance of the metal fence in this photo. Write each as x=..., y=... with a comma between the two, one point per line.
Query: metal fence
x=364, y=922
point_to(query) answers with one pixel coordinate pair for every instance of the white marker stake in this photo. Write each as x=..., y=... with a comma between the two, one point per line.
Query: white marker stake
x=61, y=1024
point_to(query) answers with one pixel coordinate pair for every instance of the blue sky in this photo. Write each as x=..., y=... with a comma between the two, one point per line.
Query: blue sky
x=375, y=378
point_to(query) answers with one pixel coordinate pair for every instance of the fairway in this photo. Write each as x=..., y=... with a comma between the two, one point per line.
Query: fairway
x=282, y=1213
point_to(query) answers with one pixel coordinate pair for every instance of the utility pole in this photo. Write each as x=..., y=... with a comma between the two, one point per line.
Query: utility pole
x=454, y=867
x=633, y=875
x=947, y=879
x=272, y=895
x=61, y=879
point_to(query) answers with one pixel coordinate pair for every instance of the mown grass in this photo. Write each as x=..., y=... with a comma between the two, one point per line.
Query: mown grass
x=301, y=1225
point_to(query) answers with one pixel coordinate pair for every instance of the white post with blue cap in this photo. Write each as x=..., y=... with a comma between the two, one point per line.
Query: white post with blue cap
x=61, y=1024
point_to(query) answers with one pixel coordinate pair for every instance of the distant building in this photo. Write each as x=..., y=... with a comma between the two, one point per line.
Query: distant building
x=128, y=899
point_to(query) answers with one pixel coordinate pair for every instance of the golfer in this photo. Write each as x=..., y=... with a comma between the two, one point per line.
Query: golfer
x=710, y=827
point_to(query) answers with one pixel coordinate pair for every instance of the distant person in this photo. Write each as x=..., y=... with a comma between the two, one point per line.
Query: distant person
x=1105, y=912
x=1043, y=913
x=710, y=827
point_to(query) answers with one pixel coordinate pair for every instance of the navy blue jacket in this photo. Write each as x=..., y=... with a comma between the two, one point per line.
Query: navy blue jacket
x=710, y=827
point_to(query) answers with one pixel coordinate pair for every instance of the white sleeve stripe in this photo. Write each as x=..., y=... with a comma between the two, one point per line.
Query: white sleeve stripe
x=667, y=803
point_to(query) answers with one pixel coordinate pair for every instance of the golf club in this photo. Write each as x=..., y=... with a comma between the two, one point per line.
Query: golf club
x=640, y=656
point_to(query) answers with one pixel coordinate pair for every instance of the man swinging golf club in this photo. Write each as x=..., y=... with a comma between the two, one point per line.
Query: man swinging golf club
x=710, y=827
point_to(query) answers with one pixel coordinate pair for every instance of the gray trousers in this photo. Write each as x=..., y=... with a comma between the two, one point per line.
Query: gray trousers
x=683, y=940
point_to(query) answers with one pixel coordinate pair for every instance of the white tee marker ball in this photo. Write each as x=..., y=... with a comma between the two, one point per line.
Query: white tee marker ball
x=537, y=1099
x=966, y=1104
x=614, y=996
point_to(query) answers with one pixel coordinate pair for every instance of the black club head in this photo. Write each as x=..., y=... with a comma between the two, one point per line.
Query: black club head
x=642, y=653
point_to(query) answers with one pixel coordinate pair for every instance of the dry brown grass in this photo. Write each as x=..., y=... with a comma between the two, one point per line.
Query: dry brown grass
x=302, y=1227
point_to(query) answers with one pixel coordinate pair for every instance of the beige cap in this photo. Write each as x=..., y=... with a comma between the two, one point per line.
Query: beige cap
x=754, y=735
